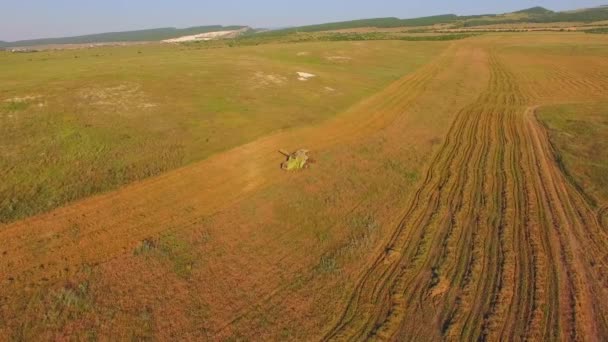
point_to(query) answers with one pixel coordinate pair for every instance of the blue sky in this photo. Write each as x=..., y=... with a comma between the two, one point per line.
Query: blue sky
x=27, y=19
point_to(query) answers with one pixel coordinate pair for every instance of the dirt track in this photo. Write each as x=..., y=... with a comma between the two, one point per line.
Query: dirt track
x=496, y=243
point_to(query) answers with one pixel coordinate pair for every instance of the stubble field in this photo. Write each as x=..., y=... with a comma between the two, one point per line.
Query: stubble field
x=455, y=195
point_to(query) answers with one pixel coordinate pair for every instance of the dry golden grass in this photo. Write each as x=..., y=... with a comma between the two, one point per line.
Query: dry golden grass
x=436, y=210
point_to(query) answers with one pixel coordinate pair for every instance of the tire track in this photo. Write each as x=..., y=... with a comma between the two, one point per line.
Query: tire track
x=495, y=243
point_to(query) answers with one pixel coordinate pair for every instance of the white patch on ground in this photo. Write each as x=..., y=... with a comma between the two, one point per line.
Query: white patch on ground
x=35, y=100
x=303, y=53
x=111, y=95
x=338, y=58
x=263, y=79
x=206, y=36
x=330, y=89
x=121, y=97
x=304, y=76
x=27, y=98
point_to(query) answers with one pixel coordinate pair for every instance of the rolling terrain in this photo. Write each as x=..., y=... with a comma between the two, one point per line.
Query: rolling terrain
x=443, y=204
x=593, y=20
x=149, y=35
x=531, y=16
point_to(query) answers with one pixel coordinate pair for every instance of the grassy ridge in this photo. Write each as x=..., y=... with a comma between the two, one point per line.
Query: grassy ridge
x=274, y=37
x=602, y=30
x=127, y=36
x=375, y=22
x=531, y=15
x=546, y=16
x=579, y=134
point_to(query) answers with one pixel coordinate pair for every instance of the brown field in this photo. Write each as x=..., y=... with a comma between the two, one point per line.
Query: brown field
x=436, y=209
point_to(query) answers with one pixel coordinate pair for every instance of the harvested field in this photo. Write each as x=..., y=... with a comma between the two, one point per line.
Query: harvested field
x=438, y=208
x=75, y=127
x=494, y=233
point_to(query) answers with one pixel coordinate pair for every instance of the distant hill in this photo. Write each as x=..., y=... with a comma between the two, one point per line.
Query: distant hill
x=535, y=10
x=530, y=15
x=375, y=22
x=542, y=15
x=126, y=36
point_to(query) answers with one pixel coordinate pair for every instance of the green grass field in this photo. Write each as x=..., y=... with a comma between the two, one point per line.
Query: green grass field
x=78, y=122
x=579, y=133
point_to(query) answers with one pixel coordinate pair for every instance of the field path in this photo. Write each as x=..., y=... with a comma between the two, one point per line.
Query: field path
x=496, y=244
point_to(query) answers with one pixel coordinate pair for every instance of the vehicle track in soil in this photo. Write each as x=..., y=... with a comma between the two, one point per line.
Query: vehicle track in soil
x=496, y=244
